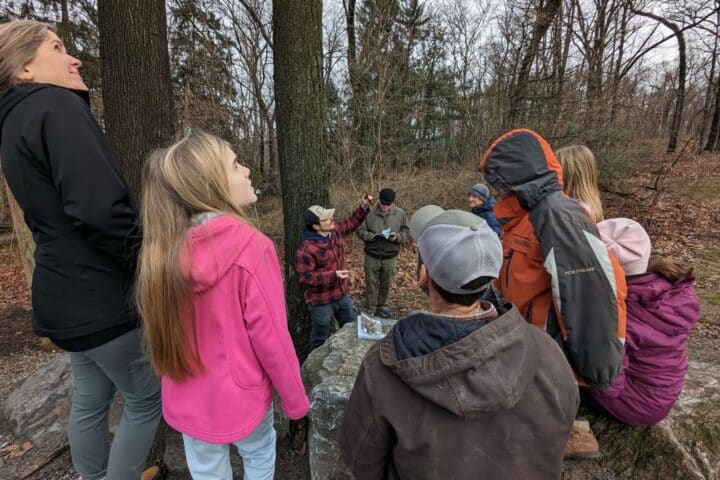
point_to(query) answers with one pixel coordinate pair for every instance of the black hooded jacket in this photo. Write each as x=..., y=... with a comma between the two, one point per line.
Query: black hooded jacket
x=64, y=176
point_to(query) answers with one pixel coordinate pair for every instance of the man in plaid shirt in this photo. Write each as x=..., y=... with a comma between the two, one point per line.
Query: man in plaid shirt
x=321, y=268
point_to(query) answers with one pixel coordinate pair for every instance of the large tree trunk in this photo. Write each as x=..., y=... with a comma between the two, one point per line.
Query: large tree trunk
x=137, y=97
x=136, y=81
x=297, y=37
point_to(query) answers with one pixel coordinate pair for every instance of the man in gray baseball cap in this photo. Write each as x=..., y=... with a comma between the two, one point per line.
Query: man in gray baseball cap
x=464, y=388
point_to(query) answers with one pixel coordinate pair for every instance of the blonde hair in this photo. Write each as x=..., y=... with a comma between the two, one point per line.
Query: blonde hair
x=19, y=42
x=580, y=177
x=180, y=181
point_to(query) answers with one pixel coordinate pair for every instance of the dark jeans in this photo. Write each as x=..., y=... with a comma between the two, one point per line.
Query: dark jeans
x=321, y=316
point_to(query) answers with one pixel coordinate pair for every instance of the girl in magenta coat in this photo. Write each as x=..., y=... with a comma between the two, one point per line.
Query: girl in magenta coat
x=662, y=309
x=211, y=297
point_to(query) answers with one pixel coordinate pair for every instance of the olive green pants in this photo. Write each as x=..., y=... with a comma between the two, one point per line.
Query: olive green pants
x=378, y=277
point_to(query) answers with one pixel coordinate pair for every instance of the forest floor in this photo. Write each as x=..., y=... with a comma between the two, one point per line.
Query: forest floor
x=679, y=204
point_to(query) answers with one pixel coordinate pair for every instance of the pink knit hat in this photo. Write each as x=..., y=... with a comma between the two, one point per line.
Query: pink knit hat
x=628, y=241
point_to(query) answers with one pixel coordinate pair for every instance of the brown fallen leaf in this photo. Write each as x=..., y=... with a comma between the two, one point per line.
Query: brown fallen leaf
x=15, y=450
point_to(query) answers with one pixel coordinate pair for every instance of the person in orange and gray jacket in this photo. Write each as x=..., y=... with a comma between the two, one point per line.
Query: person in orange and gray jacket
x=464, y=389
x=556, y=269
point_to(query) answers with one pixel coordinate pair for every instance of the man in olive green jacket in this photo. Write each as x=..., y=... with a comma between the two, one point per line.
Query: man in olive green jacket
x=384, y=230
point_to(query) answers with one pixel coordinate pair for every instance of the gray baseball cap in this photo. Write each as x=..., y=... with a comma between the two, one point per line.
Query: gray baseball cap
x=456, y=246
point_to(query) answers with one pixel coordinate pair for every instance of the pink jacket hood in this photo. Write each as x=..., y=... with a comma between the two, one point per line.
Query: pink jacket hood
x=242, y=334
x=216, y=246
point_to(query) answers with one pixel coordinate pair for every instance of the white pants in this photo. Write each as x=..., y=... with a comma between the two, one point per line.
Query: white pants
x=209, y=461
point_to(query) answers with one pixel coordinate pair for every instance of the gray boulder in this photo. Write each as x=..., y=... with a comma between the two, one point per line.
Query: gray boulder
x=329, y=375
x=686, y=445
x=39, y=408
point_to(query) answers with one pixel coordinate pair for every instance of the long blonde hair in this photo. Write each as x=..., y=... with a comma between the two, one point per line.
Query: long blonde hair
x=19, y=41
x=180, y=181
x=580, y=177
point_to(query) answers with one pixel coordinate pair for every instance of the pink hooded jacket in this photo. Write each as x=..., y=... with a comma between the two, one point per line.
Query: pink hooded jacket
x=242, y=334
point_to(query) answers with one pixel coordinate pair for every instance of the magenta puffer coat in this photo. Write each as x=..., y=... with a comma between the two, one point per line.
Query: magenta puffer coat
x=660, y=317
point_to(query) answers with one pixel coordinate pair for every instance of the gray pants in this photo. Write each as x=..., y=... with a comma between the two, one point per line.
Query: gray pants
x=123, y=365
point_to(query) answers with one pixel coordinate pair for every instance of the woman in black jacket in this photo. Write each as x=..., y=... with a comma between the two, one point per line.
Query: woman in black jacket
x=62, y=172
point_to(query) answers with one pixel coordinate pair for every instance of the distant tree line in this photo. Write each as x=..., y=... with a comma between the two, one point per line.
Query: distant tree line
x=413, y=82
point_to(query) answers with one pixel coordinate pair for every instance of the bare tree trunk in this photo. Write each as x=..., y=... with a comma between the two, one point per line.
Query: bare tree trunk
x=545, y=13
x=352, y=41
x=682, y=73
x=709, y=103
x=618, y=62
x=137, y=92
x=355, y=88
x=714, y=134
x=297, y=36
x=137, y=97
x=714, y=106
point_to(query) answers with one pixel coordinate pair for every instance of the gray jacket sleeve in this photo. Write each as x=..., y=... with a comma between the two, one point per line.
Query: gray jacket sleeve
x=404, y=231
x=363, y=232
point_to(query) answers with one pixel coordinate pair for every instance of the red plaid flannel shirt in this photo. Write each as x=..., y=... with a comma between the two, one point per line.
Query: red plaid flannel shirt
x=317, y=260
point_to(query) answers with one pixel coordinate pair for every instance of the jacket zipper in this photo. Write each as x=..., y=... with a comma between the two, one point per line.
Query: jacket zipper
x=507, y=267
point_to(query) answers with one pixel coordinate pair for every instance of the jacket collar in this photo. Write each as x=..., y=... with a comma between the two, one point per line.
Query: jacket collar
x=376, y=211
x=487, y=370
x=508, y=211
x=315, y=237
x=11, y=97
x=422, y=333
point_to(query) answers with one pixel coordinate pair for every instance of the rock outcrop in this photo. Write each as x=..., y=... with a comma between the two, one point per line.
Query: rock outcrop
x=686, y=445
x=329, y=375
x=39, y=408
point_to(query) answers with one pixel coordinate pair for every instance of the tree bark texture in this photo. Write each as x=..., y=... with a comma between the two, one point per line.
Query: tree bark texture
x=299, y=96
x=137, y=92
x=545, y=14
x=714, y=134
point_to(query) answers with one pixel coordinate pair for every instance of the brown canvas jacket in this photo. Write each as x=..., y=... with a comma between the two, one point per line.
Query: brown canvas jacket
x=497, y=404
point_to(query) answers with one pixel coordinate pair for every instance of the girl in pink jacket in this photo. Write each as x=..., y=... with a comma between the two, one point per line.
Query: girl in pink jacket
x=211, y=297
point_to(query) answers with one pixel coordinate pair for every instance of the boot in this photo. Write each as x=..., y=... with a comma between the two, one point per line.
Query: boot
x=155, y=472
x=582, y=442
